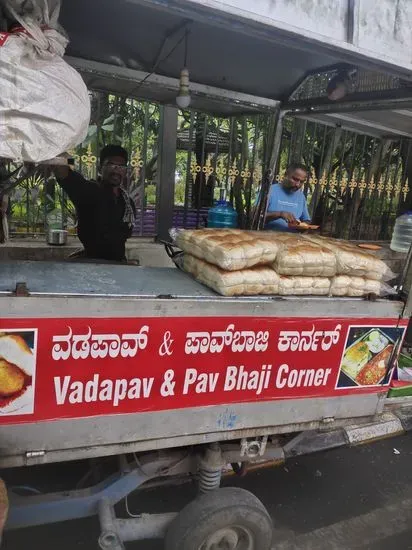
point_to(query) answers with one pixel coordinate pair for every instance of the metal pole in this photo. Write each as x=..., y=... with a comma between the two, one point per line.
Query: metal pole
x=190, y=179
x=142, y=174
x=109, y=538
x=202, y=174
x=252, y=166
x=147, y=526
x=167, y=169
x=260, y=213
x=274, y=158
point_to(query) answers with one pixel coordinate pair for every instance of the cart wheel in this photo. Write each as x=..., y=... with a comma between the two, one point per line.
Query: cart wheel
x=226, y=519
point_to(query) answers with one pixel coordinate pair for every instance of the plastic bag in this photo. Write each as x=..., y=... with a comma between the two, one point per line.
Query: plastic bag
x=357, y=287
x=229, y=249
x=304, y=286
x=44, y=103
x=247, y=282
x=307, y=265
x=298, y=257
x=353, y=261
x=404, y=369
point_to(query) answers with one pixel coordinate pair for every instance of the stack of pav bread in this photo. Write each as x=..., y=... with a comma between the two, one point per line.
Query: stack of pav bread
x=235, y=262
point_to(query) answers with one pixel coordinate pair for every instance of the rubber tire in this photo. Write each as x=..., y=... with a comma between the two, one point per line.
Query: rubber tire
x=216, y=510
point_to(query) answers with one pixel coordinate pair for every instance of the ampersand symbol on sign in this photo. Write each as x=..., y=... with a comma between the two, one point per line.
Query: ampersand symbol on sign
x=168, y=386
x=166, y=347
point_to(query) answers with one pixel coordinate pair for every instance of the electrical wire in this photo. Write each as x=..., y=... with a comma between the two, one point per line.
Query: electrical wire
x=186, y=46
x=129, y=513
x=161, y=60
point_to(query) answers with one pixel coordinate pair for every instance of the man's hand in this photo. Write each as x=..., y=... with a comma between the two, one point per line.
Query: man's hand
x=287, y=216
x=58, y=166
x=61, y=172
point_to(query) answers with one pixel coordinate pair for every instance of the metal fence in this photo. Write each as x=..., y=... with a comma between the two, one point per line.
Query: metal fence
x=37, y=203
x=219, y=159
x=357, y=184
x=215, y=158
x=135, y=125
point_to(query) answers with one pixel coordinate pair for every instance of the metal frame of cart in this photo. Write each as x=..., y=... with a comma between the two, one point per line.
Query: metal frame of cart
x=163, y=444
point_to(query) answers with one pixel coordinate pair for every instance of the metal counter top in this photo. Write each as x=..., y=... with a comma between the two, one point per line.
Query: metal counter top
x=77, y=279
x=89, y=289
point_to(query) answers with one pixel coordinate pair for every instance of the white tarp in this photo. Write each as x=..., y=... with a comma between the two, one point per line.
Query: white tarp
x=44, y=103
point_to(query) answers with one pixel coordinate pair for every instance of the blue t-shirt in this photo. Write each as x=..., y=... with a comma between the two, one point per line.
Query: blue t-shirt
x=279, y=201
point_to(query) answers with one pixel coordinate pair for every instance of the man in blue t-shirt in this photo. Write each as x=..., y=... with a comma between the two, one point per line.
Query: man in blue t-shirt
x=287, y=203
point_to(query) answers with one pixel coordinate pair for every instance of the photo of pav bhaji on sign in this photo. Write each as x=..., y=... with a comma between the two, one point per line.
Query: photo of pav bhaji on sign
x=367, y=357
x=17, y=371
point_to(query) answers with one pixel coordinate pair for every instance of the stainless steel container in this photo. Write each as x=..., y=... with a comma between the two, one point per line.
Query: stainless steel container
x=57, y=237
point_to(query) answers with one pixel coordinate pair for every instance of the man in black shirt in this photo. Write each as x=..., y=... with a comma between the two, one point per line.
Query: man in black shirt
x=105, y=212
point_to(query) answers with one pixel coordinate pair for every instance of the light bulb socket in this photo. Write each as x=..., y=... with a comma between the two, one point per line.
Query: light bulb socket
x=183, y=98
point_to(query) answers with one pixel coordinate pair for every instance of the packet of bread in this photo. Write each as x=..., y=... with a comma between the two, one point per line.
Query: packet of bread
x=299, y=257
x=229, y=249
x=353, y=261
x=245, y=282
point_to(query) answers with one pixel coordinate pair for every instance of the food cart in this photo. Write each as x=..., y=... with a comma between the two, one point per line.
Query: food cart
x=152, y=367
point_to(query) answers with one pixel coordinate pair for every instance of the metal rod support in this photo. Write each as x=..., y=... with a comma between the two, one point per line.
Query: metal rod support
x=30, y=511
x=109, y=538
x=147, y=526
x=397, y=99
x=167, y=169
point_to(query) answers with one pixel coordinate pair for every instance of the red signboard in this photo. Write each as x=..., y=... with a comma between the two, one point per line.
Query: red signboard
x=74, y=368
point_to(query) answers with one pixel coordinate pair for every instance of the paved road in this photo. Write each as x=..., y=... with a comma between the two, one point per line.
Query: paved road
x=343, y=499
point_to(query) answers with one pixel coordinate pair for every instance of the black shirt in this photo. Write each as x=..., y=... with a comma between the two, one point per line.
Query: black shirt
x=100, y=212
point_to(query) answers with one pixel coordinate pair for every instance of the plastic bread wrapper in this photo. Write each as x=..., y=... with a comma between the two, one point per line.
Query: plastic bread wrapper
x=172, y=250
x=353, y=261
x=173, y=233
x=347, y=286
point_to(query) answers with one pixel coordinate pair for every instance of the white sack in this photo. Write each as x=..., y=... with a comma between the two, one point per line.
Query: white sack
x=44, y=103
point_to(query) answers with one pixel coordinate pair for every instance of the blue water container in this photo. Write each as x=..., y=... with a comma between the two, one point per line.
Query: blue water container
x=222, y=215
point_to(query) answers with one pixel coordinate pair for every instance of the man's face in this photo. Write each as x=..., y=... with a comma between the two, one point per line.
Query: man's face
x=294, y=180
x=114, y=171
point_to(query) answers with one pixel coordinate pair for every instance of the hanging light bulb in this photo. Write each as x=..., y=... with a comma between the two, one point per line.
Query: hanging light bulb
x=183, y=98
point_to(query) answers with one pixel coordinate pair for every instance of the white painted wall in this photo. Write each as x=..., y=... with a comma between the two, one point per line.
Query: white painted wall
x=296, y=14
x=383, y=28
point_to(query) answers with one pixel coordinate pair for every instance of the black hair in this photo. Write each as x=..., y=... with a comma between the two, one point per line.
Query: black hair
x=113, y=151
x=296, y=166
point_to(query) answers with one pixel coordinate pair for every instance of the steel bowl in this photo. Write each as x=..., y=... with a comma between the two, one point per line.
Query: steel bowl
x=57, y=237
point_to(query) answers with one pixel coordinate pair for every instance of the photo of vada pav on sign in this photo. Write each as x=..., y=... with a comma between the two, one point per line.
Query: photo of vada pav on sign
x=17, y=371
